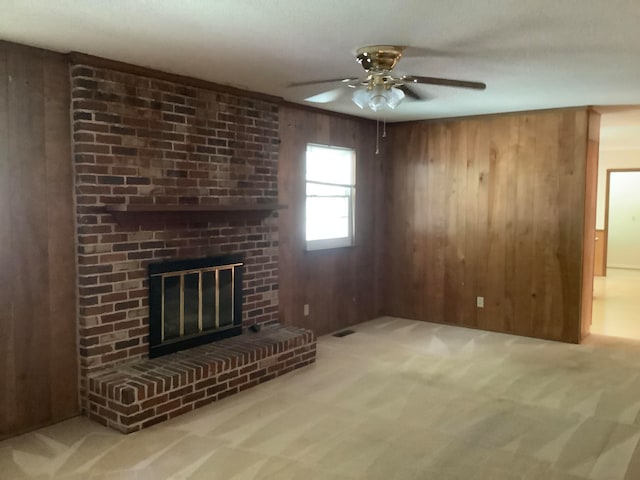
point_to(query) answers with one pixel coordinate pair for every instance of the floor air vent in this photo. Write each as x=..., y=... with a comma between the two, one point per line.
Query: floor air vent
x=343, y=333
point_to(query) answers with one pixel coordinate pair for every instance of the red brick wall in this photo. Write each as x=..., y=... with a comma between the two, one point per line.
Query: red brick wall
x=144, y=140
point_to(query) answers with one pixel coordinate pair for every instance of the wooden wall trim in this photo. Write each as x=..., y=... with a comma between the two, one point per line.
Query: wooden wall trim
x=614, y=108
x=487, y=116
x=312, y=109
x=589, y=221
x=600, y=268
x=28, y=50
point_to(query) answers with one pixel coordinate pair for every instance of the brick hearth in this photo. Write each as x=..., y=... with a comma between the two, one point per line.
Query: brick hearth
x=135, y=396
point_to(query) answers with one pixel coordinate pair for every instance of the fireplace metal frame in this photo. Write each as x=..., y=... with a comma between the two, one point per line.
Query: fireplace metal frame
x=159, y=271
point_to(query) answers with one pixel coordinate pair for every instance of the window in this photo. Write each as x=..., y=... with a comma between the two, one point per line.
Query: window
x=331, y=188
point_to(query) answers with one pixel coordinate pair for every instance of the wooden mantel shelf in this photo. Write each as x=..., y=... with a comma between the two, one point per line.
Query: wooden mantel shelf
x=143, y=213
x=198, y=208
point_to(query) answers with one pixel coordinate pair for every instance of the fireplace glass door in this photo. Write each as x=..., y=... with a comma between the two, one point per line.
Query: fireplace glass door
x=193, y=301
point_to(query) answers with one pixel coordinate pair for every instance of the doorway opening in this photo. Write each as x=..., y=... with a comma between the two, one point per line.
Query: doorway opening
x=616, y=289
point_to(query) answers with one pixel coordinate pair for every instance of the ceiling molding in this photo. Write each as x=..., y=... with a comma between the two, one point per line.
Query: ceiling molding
x=85, y=59
x=309, y=108
x=602, y=109
x=487, y=116
x=91, y=60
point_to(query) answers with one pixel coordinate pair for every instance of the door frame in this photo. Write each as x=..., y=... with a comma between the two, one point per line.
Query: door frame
x=592, y=153
x=606, y=212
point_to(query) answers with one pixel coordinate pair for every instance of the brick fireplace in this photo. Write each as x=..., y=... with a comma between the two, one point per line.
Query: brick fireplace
x=140, y=140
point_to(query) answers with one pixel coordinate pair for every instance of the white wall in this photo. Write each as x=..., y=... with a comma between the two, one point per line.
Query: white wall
x=624, y=220
x=611, y=159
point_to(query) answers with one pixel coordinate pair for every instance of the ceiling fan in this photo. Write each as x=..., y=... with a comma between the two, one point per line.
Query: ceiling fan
x=381, y=89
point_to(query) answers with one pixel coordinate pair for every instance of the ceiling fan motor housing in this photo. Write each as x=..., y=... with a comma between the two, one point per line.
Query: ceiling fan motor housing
x=379, y=58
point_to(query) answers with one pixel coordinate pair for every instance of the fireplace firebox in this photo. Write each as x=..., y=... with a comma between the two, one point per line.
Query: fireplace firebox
x=193, y=302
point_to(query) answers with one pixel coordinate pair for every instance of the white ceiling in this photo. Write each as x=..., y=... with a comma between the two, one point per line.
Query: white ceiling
x=532, y=54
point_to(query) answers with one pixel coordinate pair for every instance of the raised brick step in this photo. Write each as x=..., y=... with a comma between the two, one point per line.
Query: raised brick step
x=134, y=396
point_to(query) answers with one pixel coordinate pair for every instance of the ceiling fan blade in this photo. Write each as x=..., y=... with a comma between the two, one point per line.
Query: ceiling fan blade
x=326, y=97
x=445, y=82
x=411, y=92
x=420, y=52
x=316, y=82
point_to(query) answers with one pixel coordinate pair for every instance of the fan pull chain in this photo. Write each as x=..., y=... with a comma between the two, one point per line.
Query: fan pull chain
x=384, y=127
x=377, y=135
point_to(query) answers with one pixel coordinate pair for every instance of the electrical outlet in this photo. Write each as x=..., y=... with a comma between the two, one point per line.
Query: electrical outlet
x=480, y=302
x=306, y=309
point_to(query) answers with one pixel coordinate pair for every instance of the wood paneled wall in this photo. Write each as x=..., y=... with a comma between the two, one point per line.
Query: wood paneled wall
x=338, y=284
x=38, y=379
x=490, y=207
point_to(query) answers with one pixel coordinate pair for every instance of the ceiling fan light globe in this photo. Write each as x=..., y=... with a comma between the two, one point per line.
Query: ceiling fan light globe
x=378, y=98
x=378, y=101
x=395, y=96
x=361, y=97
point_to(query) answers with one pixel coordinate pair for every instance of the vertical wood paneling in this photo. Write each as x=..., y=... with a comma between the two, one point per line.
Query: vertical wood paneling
x=338, y=284
x=480, y=235
x=523, y=204
x=510, y=225
x=544, y=282
x=61, y=229
x=470, y=200
x=454, y=220
x=430, y=267
x=29, y=223
x=494, y=291
x=37, y=346
x=487, y=207
x=7, y=361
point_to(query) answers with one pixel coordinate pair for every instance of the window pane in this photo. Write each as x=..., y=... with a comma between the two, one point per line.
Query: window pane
x=327, y=217
x=330, y=165
x=330, y=190
x=320, y=190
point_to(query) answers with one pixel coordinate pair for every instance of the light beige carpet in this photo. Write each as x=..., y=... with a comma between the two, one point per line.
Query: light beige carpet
x=616, y=303
x=396, y=400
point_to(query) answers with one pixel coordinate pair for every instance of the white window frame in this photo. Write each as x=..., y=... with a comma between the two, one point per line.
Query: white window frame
x=328, y=243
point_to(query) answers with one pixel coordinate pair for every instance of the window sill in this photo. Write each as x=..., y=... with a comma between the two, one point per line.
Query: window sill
x=320, y=251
